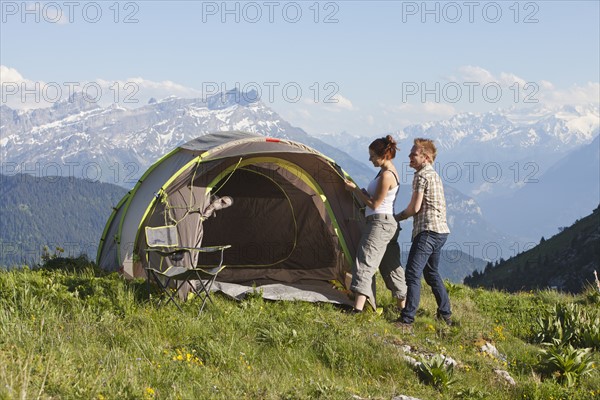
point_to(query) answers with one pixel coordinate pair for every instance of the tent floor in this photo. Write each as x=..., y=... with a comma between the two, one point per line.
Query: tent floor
x=305, y=290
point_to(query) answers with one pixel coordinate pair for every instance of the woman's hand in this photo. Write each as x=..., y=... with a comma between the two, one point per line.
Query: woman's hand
x=350, y=186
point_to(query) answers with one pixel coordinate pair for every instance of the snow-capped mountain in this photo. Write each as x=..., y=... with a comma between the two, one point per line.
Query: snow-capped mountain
x=116, y=145
x=495, y=153
x=541, y=134
x=522, y=129
x=530, y=170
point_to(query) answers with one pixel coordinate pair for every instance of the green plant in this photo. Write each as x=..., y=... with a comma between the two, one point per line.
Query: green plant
x=472, y=393
x=558, y=324
x=565, y=363
x=436, y=372
x=592, y=295
x=453, y=289
x=70, y=264
x=46, y=255
x=277, y=335
x=569, y=324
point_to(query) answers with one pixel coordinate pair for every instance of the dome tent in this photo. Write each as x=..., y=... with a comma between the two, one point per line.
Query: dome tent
x=292, y=223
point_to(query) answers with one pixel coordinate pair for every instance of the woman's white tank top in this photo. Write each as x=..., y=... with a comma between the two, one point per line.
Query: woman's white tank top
x=387, y=205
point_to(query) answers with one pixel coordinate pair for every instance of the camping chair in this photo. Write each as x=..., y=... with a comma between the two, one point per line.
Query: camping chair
x=164, y=241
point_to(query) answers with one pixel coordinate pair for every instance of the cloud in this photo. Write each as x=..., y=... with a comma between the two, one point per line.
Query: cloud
x=521, y=91
x=21, y=93
x=137, y=91
x=10, y=75
x=342, y=102
x=574, y=95
x=472, y=73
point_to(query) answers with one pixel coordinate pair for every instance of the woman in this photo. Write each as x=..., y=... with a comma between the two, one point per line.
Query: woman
x=378, y=246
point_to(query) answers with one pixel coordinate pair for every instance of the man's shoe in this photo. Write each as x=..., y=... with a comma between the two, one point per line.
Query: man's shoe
x=405, y=326
x=447, y=320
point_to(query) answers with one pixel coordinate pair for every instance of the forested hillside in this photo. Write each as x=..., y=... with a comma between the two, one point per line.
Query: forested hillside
x=69, y=213
x=564, y=262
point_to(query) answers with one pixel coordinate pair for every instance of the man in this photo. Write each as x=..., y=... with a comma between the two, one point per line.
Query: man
x=430, y=231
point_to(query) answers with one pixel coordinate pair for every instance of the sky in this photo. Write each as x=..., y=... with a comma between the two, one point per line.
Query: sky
x=362, y=67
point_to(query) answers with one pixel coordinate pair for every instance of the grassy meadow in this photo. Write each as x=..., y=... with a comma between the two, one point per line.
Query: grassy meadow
x=69, y=331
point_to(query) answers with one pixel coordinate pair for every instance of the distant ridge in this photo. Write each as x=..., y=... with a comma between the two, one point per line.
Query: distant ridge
x=564, y=262
x=71, y=213
x=52, y=211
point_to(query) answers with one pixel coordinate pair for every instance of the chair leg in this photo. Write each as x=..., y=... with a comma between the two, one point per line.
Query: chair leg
x=201, y=292
x=206, y=296
x=171, y=295
x=164, y=288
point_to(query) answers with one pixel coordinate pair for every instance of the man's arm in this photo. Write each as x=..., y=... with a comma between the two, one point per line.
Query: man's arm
x=413, y=207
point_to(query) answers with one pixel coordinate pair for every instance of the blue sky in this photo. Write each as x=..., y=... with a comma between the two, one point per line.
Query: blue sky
x=330, y=66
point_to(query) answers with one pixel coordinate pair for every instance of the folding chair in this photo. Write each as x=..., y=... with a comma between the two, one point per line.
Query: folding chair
x=164, y=241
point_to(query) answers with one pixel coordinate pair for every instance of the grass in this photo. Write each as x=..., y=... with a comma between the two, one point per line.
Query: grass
x=83, y=334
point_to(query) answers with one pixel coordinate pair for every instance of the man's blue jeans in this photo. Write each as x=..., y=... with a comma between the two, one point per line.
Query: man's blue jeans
x=424, y=258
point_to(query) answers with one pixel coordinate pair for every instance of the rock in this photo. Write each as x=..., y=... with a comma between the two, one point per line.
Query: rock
x=413, y=362
x=449, y=361
x=506, y=376
x=490, y=349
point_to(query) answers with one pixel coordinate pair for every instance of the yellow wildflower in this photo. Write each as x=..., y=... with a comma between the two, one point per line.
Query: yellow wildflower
x=149, y=394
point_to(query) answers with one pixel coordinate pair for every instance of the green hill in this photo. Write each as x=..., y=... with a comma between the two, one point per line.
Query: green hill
x=69, y=213
x=564, y=262
x=83, y=334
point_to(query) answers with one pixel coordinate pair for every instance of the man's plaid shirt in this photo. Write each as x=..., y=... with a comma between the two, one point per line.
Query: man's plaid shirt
x=432, y=215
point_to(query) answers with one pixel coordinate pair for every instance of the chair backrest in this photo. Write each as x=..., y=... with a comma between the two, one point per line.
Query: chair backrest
x=164, y=240
x=188, y=232
x=162, y=236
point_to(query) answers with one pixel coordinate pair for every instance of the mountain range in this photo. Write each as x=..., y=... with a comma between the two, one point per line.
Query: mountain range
x=76, y=138
x=490, y=154
x=530, y=171
x=116, y=145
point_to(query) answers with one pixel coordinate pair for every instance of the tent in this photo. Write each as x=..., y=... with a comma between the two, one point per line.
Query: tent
x=293, y=227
